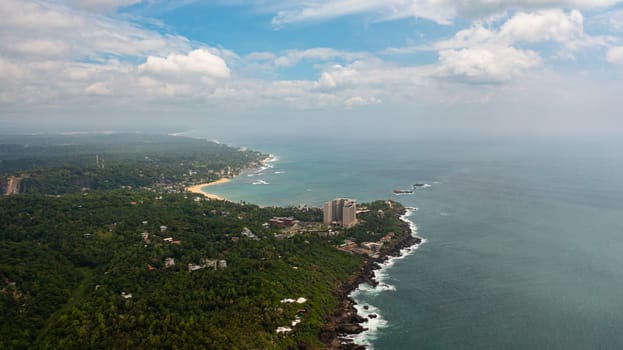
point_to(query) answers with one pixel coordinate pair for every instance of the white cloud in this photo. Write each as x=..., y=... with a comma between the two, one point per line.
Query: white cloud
x=485, y=8
x=523, y=28
x=615, y=55
x=485, y=54
x=260, y=56
x=486, y=65
x=97, y=89
x=29, y=29
x=292, y=57
x=390, y=9
x=199, y=61
x=326, y=81
x=53, y=55
x=44, y=48
x=103, y=5
x=37, y=16
x=373, y=73
x=440, y=11
x=361, y=101
x=545, y=25
x=9, y=70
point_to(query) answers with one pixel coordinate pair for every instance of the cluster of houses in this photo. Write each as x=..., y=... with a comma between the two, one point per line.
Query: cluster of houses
x=208, y=263
x=214, y=264
x=297, y=318
x=282, y=222
x=371, y=249
x=246, y=232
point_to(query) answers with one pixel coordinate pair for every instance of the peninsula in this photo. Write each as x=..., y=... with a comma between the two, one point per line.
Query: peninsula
x=137, y=260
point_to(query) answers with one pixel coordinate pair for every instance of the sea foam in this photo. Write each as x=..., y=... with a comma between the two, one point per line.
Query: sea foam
x=369, y=292
x=373, y=325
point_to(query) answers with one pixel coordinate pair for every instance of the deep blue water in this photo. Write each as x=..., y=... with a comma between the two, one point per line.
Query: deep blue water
x=524, y=240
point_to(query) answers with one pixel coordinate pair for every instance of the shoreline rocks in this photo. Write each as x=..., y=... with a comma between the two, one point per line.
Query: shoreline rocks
x=345, y=320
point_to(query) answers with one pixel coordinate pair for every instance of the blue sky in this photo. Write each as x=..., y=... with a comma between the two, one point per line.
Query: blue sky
x=481, y=66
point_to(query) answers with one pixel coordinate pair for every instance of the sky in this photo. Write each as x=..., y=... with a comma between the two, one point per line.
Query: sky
x=392, y=67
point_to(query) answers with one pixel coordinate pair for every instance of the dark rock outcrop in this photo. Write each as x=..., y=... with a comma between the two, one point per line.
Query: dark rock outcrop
x=345, y=320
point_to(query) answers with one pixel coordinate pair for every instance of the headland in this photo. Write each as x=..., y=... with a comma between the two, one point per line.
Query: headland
x=345, y=322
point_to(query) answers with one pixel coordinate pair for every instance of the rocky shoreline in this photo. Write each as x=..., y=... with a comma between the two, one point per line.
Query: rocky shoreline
x=345, y=320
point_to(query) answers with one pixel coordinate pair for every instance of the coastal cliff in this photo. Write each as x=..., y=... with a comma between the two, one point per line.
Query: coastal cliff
x=345, y=320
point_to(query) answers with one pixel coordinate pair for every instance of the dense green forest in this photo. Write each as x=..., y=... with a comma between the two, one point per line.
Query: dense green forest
x=115, y=255
x=66, y=263
x=59, y=164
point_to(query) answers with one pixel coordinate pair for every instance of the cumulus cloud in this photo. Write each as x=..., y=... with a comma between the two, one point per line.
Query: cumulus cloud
x=523, y=28
x=85, y=57
x=545, y=25
x=82, y=56
x=489, y=53
x=615, y=55
x=486, y=65
x=200, y=62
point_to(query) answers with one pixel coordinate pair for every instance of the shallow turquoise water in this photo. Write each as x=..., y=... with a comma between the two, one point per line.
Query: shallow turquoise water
x=524, y=239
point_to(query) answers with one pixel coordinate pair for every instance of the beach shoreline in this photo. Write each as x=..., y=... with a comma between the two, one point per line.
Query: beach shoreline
x=197, y=189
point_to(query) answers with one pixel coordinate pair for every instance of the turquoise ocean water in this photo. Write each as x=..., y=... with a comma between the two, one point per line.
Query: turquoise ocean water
x=524, y=240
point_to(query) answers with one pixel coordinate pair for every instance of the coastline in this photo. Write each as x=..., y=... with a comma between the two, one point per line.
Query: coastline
x=198, y=188
x=346, y=322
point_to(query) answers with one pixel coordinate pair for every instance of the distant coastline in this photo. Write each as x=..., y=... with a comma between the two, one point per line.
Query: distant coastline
x=263, y=164
x=198, y=188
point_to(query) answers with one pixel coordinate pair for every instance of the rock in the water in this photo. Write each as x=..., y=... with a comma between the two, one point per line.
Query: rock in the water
x=350, y=328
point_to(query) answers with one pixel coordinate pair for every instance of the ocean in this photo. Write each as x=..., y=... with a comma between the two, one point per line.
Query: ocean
x=523, y=239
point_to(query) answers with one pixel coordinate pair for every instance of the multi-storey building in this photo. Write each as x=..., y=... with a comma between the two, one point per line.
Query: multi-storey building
x=340, y=212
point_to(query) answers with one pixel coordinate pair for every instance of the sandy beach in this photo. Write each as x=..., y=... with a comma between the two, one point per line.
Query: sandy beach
x=197, y=188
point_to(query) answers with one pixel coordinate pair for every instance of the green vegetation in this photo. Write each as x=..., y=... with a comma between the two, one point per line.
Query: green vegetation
x=52, y=164
x=66, y=261
x=93, y=268
x=375, y=223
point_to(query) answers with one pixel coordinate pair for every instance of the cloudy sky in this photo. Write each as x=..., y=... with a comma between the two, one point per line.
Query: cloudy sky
x=429, y=66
